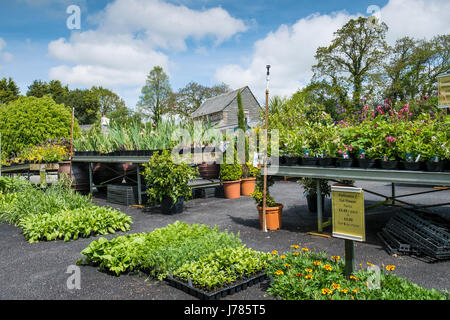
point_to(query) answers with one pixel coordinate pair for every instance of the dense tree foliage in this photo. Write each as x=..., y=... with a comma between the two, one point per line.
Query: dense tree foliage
x=8, y=91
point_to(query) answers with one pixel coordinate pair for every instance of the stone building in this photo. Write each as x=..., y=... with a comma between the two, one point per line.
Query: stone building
x=222, y=111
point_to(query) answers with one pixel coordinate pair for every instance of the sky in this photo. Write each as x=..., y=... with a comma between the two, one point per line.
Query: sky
x=118, y=42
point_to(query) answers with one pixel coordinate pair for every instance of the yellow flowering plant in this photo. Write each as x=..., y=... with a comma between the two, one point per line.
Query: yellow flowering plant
x=313, y=275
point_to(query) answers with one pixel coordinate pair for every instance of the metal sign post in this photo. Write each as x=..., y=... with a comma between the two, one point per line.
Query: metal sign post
x=265, y=149
x=348, y=220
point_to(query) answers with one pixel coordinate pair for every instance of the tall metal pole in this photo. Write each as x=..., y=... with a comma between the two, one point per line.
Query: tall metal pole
x=265, y=149
x=71, y=137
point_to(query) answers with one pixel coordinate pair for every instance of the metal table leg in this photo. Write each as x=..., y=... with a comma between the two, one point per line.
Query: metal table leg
x=319, y=206
x=91, y=182
x=138, y=172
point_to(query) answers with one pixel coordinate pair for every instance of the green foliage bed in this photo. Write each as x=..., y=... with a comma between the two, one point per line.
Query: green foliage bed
x=181, y=248
x=56, y=212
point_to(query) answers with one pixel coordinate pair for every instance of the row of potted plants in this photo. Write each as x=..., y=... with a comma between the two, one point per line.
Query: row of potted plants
x=420, y=144
x=238, y=180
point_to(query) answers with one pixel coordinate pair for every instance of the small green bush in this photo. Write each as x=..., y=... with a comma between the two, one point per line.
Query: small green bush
x=166, y=178
x=230, y=172
x=29, y=121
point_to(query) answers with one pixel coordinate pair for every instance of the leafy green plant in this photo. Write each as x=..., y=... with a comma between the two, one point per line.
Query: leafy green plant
x=230, y=172
x=258, y=195
x=166, y=178
x=75, y=223
x=159, y=251
x=310, y=186
x=223, y=267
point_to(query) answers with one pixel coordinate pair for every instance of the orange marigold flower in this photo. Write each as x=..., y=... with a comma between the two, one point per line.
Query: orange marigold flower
x=282, y=256
x=326, y=291
x=335, y=257
x=305, y=249
x=296, y=246
x=390, y=268
x=295, y=253
x=309, y=276
x=317, y=263
x=279, y=272
x=344, y=290
x=274, y=252
x=287, y=265
x=327, y=267
x=336, y=286
x=354, y=278
x=308, y=270
x=355, y=290
x=299, y=274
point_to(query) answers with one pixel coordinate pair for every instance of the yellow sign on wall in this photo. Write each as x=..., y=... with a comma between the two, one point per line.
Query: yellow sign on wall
x=348, y=213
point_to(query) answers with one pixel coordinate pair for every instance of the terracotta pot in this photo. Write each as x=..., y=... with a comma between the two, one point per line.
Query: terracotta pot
x=232, y=189
x=247, y=186
x=273, y=217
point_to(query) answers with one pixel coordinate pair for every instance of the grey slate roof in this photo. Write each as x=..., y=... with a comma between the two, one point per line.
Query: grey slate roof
x=216, y=104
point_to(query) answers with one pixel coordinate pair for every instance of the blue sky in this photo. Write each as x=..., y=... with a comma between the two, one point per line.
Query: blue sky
x=207, y=41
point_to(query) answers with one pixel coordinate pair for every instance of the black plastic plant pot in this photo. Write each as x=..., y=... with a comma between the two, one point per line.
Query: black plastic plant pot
x=345, y=163
x=309, y=161
x=435, y=166
x=168, y=207
x=366, y=163
x=412, y=166
x=292, y=161
x=447, y=165
x=389, y=165
x=326, y=162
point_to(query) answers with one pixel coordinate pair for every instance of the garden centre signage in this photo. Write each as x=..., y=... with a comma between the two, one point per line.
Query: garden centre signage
x=444, y=90
x=348, y=213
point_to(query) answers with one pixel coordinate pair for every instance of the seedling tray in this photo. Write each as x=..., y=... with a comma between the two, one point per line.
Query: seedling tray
x=229, y=290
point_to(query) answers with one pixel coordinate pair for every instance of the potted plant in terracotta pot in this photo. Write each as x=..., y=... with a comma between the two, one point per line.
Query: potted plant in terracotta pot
x=274, y=210
x=230, y=174
x=248, y=179
x=167, y=182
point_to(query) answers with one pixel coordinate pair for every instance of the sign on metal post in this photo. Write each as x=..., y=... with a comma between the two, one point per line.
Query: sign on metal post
x=348, y=213
x=444, y=90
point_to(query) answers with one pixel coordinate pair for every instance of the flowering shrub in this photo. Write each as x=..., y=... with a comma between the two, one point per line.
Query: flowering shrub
x=304, y=275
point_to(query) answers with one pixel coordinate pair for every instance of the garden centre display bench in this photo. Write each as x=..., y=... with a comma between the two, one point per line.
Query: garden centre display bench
x=28, y=169
x=138, y=160
x=381, y=175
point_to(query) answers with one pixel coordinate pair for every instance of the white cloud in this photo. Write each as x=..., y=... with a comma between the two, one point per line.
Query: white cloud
x=129, y=40
x=291, y=49
x=4, y=56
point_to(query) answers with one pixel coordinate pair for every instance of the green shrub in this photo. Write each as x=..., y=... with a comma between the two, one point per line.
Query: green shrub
x=167, y=178
x=230, y=172
x=75, y=223
x=29, y=121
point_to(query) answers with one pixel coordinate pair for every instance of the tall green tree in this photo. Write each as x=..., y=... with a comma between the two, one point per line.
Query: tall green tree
x=155, y=95
x=86, y=105
x=54, y=88
x=8, y=91
x=354, y=57
x=108, y=100
x=191, y=97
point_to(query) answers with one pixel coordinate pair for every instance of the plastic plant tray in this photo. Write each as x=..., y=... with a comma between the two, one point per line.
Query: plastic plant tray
x=229, y=290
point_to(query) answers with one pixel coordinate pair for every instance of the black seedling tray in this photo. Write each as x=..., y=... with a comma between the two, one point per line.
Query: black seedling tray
x=229, y=290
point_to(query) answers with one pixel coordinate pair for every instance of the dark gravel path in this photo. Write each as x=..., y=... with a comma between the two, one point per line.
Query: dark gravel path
x=38, y=271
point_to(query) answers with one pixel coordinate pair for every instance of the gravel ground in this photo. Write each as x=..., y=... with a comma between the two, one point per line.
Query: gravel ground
x=38, y=271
